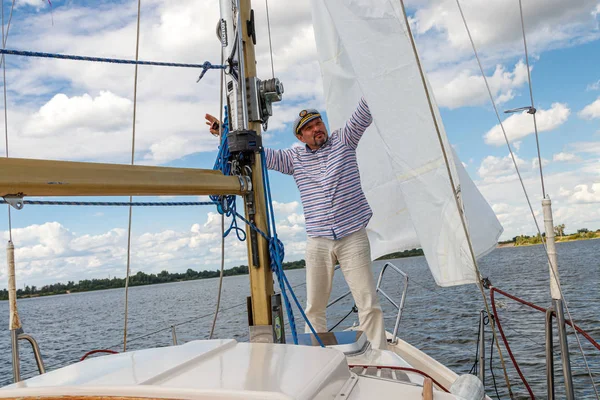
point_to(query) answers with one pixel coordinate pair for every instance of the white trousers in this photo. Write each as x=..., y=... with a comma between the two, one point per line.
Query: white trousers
x=353, y=253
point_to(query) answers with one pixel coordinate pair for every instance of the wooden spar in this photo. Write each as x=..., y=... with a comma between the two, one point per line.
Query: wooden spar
x=261, y=278
x=65, y=178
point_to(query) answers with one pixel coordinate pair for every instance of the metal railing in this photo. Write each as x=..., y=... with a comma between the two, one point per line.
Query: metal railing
x=399, y=307
x=19, y=335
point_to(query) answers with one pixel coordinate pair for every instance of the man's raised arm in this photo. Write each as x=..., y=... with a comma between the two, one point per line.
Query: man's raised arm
x=357, y=124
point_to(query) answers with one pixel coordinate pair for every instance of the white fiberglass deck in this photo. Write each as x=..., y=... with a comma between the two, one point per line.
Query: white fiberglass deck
x=222, y=369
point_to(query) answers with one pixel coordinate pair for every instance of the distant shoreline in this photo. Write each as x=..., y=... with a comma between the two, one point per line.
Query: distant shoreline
x=564, y=239
x=143, y=279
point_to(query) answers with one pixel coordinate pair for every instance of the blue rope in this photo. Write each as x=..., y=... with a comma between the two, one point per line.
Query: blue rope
x=277, y=254
x=227, y=205
x=205, y=66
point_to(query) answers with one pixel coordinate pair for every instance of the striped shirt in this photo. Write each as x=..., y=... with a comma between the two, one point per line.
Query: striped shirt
x=328, y=179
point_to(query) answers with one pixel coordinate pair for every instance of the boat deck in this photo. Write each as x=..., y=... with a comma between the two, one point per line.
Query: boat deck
x=226, y=369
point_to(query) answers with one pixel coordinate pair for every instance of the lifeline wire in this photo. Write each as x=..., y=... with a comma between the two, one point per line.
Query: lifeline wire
x=453, y=188
x=137, y=52
x=526, y=194
x=205, y=66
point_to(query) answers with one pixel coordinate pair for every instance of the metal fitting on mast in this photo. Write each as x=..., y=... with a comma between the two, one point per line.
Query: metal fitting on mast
x=261, y=96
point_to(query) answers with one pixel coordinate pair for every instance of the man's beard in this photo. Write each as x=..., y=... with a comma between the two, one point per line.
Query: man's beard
x=320, y=140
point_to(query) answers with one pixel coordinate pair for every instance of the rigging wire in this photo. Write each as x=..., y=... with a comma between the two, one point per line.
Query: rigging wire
x=137, y=52
x=4, y=39
x=512, y=155
x=454, y=189
x=270, y=44
x=537, y=140
x=223, y=199
x=544, y=196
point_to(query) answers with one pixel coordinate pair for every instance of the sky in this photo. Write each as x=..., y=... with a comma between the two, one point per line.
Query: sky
x=78, y=111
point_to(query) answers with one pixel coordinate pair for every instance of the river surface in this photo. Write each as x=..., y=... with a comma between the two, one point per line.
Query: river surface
x=440, y=321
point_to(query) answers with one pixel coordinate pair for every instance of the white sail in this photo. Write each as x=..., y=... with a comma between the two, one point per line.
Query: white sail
x=364, y=50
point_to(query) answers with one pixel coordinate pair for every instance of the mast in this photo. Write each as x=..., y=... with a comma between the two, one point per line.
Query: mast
x=261, y=278
x=14, y=324
x=249, y=102
x=557, y=298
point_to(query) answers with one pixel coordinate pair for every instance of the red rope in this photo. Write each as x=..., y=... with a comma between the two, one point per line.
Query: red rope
x=89, y=353
x=512, y=357
x=542, y=309
x=536, y=307
x=407, y=369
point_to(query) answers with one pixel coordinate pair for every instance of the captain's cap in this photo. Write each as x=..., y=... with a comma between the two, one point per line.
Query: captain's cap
x=304, y=117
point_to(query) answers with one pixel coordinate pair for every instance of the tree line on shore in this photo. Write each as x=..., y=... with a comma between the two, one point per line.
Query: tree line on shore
x=142, y=278
x=559, y=232
x=138, y=279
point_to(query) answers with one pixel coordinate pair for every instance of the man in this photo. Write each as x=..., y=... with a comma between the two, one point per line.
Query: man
x=336, y=213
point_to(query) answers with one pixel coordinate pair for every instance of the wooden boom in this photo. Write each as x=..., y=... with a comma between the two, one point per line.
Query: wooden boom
x=64, y=178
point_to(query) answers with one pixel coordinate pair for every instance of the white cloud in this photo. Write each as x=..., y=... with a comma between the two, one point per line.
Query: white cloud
x=468, y=87
x=596, y=12
x=595, y=85
x=583, y=194
x=591, y=111
x=494, y=169
x=501, y=208
x=296, y=219
x=286, y=208
x=586, y=147
x=508, y=200
x=38, y=4
x=106, y=112
x=171, y=107
x=502, y=169
x=517, y=145
x=51, y=252
x=91, y=117
x=535, y=163
x=518, y=126
x=549, y=23
x=562, y=156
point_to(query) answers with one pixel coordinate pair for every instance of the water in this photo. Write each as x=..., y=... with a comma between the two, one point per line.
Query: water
x=440, y=321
